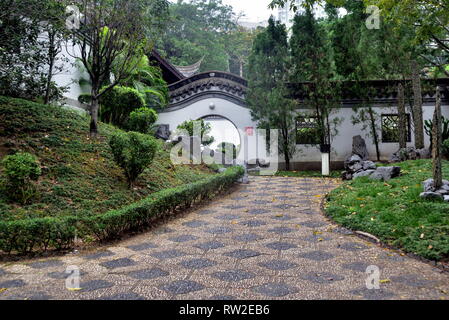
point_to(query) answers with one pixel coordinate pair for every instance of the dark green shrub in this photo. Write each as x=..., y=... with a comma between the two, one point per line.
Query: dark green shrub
x=20, y=170
x=142, y=120
x=446, y=148
x=133, y=152
x=428, y=126
x=118, y=103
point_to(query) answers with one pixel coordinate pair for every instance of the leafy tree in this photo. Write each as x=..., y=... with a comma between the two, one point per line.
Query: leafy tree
x=267, y=76
x=198, y=31
x=31, y=35
x=312, y=66
x=238, y=47
x=112, y=36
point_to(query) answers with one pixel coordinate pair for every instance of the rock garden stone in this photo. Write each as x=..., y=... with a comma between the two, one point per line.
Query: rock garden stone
x=410, y=153
x=356, y=168
x=431, y=196
x=386, y=173
x=359, y=147
x=363, y=174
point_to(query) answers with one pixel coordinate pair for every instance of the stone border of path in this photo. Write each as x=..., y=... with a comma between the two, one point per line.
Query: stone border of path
x=444, y=267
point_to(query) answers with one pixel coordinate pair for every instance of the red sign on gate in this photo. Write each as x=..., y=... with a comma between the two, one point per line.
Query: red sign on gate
x=249, y=131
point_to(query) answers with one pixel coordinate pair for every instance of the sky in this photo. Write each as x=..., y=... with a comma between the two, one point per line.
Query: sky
x=255, y=10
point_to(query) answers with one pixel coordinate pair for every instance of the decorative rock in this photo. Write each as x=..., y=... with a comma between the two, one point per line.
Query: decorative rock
x=359, y=147
x=222, y=170
x=369, y=165
x=446, y=198
x=442, y=192
x=346, y=176
x=352, y=160
x=428, y=186
x=376, y=176
x=163, y=132
x=386, y=173
x=431, y=195
x=363, y=174
x=410, y=154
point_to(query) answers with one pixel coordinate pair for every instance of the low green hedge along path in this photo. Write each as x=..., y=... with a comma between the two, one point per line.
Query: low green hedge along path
x=24, y=236
x=266, y=240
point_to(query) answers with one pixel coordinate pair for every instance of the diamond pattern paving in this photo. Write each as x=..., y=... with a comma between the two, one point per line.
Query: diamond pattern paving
x=266, y=240
x=233, y=275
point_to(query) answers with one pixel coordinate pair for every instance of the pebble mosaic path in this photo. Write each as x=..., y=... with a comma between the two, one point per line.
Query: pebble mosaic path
x=266, y=240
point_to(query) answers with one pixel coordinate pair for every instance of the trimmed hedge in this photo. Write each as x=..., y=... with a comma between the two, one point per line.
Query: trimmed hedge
x=25, y=236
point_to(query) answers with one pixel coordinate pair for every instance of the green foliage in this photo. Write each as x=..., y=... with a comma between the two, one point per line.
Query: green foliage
x=20, y=170
x=313, y=67
x=142, y=120
x=204, y=129
x=118, y=103
x=24, y=236
x=394, y=212
x=428, y=127
x=267, y=75
x=198, y=30
x=34, y=27
x=149, y=82
x=133, y=152
x=80, y=176
x=446, y=148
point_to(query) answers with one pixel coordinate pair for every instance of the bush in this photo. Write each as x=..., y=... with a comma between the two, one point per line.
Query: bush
x=142, y=120
x=118, y=103
x=20, y=170
x=24, y=236
x=446, y=148
x=133, y=152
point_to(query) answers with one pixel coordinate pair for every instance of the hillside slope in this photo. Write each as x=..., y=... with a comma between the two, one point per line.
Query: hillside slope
x=79, y=175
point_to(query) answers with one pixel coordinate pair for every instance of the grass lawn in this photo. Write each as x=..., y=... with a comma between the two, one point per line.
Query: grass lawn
x=394, y=212
x=79, y=175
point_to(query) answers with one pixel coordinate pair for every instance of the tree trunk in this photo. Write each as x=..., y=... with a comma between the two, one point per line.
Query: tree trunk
x=51, y=63
x=374, y=132
x=437, y=143
x=287, y=162
x=241, y=68
x=417, y=108
x=402, y=118
x=94, y=113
